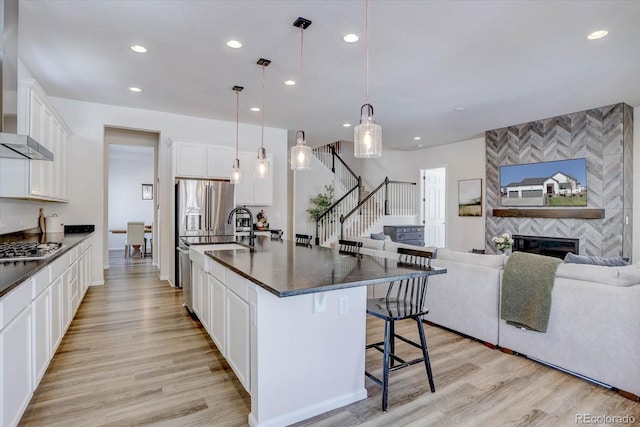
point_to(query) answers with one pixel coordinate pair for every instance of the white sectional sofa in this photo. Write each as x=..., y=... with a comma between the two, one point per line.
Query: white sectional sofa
x=594, y=325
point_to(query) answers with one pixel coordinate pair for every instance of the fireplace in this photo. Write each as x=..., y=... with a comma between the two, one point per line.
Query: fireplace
x=551, y=246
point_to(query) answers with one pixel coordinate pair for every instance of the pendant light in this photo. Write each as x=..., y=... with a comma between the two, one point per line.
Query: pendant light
x=236, y=174
x=301, y=152
x=263, y=167
x=367, y=136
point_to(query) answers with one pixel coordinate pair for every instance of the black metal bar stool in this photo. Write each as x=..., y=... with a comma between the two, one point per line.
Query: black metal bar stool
x=405, y=300
x=303, y=239
x=276, y=234
x=349, y=246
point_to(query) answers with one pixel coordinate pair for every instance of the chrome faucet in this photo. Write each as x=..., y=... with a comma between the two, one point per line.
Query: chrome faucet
x=252, y=234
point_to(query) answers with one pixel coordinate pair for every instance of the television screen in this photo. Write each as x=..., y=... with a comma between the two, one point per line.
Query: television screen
x=559, y=183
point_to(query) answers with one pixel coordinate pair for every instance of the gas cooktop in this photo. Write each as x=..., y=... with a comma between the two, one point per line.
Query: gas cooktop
x=27, y=251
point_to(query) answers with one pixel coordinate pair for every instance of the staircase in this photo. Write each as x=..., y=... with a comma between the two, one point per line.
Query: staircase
x=358, y=209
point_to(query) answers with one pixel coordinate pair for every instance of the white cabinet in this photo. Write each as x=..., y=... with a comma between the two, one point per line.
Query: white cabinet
x=202, y=160
x=191, y=159
x=219, y=162
x=237, y=331
x=41, y=310
x=56, y=313
x=205, y=302
x=38, y=179
x=15, y=355
x=218, y=313
x=251, y=191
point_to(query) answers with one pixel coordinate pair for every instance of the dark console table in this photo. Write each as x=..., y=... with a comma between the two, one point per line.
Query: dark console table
x=410, y=234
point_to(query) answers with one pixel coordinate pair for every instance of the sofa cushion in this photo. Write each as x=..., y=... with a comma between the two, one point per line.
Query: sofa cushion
x=594, y=260
x=614, y=276
x=495, y=261
x=369, y=243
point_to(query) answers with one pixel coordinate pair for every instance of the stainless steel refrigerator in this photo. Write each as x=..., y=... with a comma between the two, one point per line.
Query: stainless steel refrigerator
x=202, y=210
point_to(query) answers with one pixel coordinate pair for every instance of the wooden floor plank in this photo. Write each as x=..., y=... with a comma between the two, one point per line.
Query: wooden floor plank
x=133, y=356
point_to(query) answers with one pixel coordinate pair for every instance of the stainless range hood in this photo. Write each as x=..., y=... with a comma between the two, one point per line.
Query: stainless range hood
x=13, y=145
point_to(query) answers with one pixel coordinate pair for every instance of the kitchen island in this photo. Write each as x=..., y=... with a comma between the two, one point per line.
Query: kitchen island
x=291, y=322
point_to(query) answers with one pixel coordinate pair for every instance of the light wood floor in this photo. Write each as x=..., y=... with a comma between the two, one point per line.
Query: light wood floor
x=132, y=356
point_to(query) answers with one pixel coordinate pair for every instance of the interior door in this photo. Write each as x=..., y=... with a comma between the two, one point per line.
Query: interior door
x=433, y=206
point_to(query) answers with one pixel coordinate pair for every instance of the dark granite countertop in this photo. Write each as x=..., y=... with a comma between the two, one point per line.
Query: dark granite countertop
x=286, y=269
x=14, y=273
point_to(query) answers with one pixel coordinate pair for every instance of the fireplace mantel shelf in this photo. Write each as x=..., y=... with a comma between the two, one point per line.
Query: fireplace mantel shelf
x=550, y=213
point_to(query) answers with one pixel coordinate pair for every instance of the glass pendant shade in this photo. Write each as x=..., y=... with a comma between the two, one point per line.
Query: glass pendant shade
x=236, y=175
x=263, y=166
x=300, y=153
x=367, y=136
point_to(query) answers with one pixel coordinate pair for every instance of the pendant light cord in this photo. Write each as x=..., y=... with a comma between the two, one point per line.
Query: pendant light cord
x=237, y=119
x=367, y=47
x=262, y=137
x=301, y=78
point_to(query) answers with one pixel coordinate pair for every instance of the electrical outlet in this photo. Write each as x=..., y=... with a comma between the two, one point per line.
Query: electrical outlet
x=319, y=302
x=344, y=305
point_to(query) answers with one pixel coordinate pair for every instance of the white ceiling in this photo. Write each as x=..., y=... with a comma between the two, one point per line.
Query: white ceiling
x=504, y=62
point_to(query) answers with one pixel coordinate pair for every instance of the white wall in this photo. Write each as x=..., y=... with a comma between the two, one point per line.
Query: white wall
x=87, y=122
x=127, y=173
x=463, y=160
x=308, y=184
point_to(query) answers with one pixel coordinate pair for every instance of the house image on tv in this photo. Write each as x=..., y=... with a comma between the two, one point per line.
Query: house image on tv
x=536, y=191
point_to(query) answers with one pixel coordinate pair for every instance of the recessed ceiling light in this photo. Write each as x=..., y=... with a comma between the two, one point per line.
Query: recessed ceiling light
x=290, y=82
x=419, y=145
x=417, y=138
x=597, y=34
x=346, y=125
x=351, y=38
x=458, y=109
x=255, y=109
x=135, y=89
x=138, y=49
x=234, y=44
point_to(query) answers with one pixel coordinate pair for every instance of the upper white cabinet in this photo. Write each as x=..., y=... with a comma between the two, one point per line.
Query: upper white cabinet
x=202, y=160
x=38, y=179
x=251, y=191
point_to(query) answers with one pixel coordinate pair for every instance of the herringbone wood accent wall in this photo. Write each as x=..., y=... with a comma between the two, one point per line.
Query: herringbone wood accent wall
x=604, y=136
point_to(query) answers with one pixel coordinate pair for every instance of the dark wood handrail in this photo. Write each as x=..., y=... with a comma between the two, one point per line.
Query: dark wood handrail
x=330, y=208
x=333, y=153
x=343, y=218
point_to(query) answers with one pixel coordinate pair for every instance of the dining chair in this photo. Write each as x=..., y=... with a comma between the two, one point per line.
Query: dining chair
x=135, y=237
x=405, y=299
x=303, y=239
x=349, y=246
x=276, y=234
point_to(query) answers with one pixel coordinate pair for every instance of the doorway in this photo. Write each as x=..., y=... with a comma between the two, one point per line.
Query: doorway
x=130, y=193
x=433, y=207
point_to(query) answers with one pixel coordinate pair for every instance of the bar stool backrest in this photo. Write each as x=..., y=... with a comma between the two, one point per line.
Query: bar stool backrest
x=408, y=296
x=349, y=246
x=303, y=239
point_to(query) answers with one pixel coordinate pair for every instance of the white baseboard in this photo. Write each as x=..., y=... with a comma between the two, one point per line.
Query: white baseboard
x=309, y=411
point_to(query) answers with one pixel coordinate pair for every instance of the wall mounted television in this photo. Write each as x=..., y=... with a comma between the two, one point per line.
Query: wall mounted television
x=559, y=183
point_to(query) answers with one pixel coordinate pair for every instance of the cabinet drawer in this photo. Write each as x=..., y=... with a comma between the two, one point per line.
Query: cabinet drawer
x=216, y=269
x=59, y=266
x=14, y=302
x=238, y=284
x=401, y=237
x=41, y=281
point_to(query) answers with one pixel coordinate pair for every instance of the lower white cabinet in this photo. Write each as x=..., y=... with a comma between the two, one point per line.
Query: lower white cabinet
x=55, y=291
x=33, y=320
x=237, y=331
x=41, y=311
x=220, y=300
x=15, y=349
x=218, y=313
